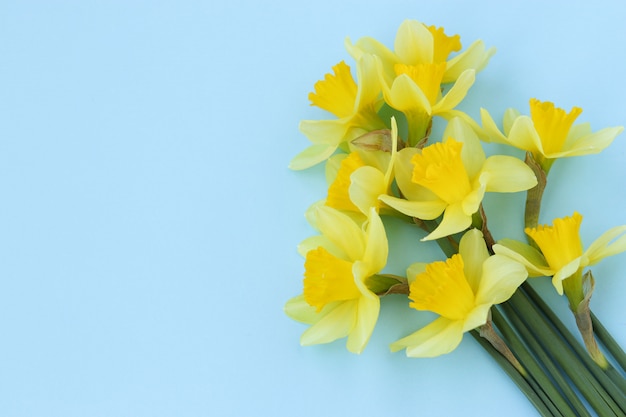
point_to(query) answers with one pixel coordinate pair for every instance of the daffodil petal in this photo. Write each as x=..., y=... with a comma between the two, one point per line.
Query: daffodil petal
x=406, y=96
x=508, y=174
x=501, y=278
x=493, y=134
x=454, y=220
x=474, y=252
x=510, y=115
x=325, y=132
x=564, y=273
x=299, y=310
x=366, y=184
x=425, y=210
x=524, y=136
x=377, y=248
x=335, y=324
x=477, y=317
x=457, y=93
x=413, y=43
x=315, y=242
x=602, y=248
x=590, y=144
x=475, y=57
x=366, y=317
x=528, y=256
x=414, y=269
x=438, y=338
x=341, y=230
x=312, y=155
x=472, y=153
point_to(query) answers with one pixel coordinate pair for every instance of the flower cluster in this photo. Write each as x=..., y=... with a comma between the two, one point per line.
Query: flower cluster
x=381, y=159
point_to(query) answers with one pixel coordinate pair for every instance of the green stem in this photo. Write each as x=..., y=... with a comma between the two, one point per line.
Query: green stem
x=515, y=376
x=596, y=387
x=535, y=194
x=544, y=359
x=612, y=380
x=607, y=340
x=535, y=374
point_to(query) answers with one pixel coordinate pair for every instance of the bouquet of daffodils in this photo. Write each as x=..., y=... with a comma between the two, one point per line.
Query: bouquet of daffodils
x=381, y=160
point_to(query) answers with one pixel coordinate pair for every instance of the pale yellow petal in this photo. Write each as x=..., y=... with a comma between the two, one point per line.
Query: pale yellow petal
x=524, y=136
x=406, y=96
x=299, y=310
x=366, y=184
x=366, y=317
x=317, y=241
x=335, y=324
x=414, y=269
x=456, y=94
x=475, y=57
x=564, y=273
x=377, y=248
x=472, y=153
x=332, y=167
x=438, y=338
x=531, y=258
x=501, y=278
x=325, y=132
x=454, y=220
x=474, y=252
x=312, y=155
x=342, y=231
x=493, y=134
x=508, y=174
x=610, y=243
x=590, y=144
x=510, y=115
x=477, y=317
x=367, y=45
x=413, y=43
x=472, y=201
x=425, y=210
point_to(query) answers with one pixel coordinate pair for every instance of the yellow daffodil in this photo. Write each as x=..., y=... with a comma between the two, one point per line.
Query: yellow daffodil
x=359, y=178
x=336, y=301
x=354, y=104
x=452, y=177
x=461, y=291
x=412, y=75
x=562, y=256
x=418, y=44
x=549, y=133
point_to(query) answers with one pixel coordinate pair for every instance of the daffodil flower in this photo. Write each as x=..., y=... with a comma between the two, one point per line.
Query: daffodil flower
x=452, y=178
x=461, y=291
x=359, y=178
x=336, y=301
x=561, y=254
x=418, y=44
x=354, y=105
x=412, y=75
x=549, y=133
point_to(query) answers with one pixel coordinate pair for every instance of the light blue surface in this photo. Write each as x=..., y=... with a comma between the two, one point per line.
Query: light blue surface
x=148, y=221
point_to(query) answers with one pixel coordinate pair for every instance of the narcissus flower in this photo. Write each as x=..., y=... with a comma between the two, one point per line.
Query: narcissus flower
x=562, y=256
x=461, y=290
x=354, y=104
x=412, y=75
x=336, y=301
x=418, y=44
x=548, y=133
x=452, y=177
x=359, y=178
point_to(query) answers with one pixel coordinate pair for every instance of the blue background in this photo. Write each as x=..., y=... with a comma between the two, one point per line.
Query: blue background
x=148, y=221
